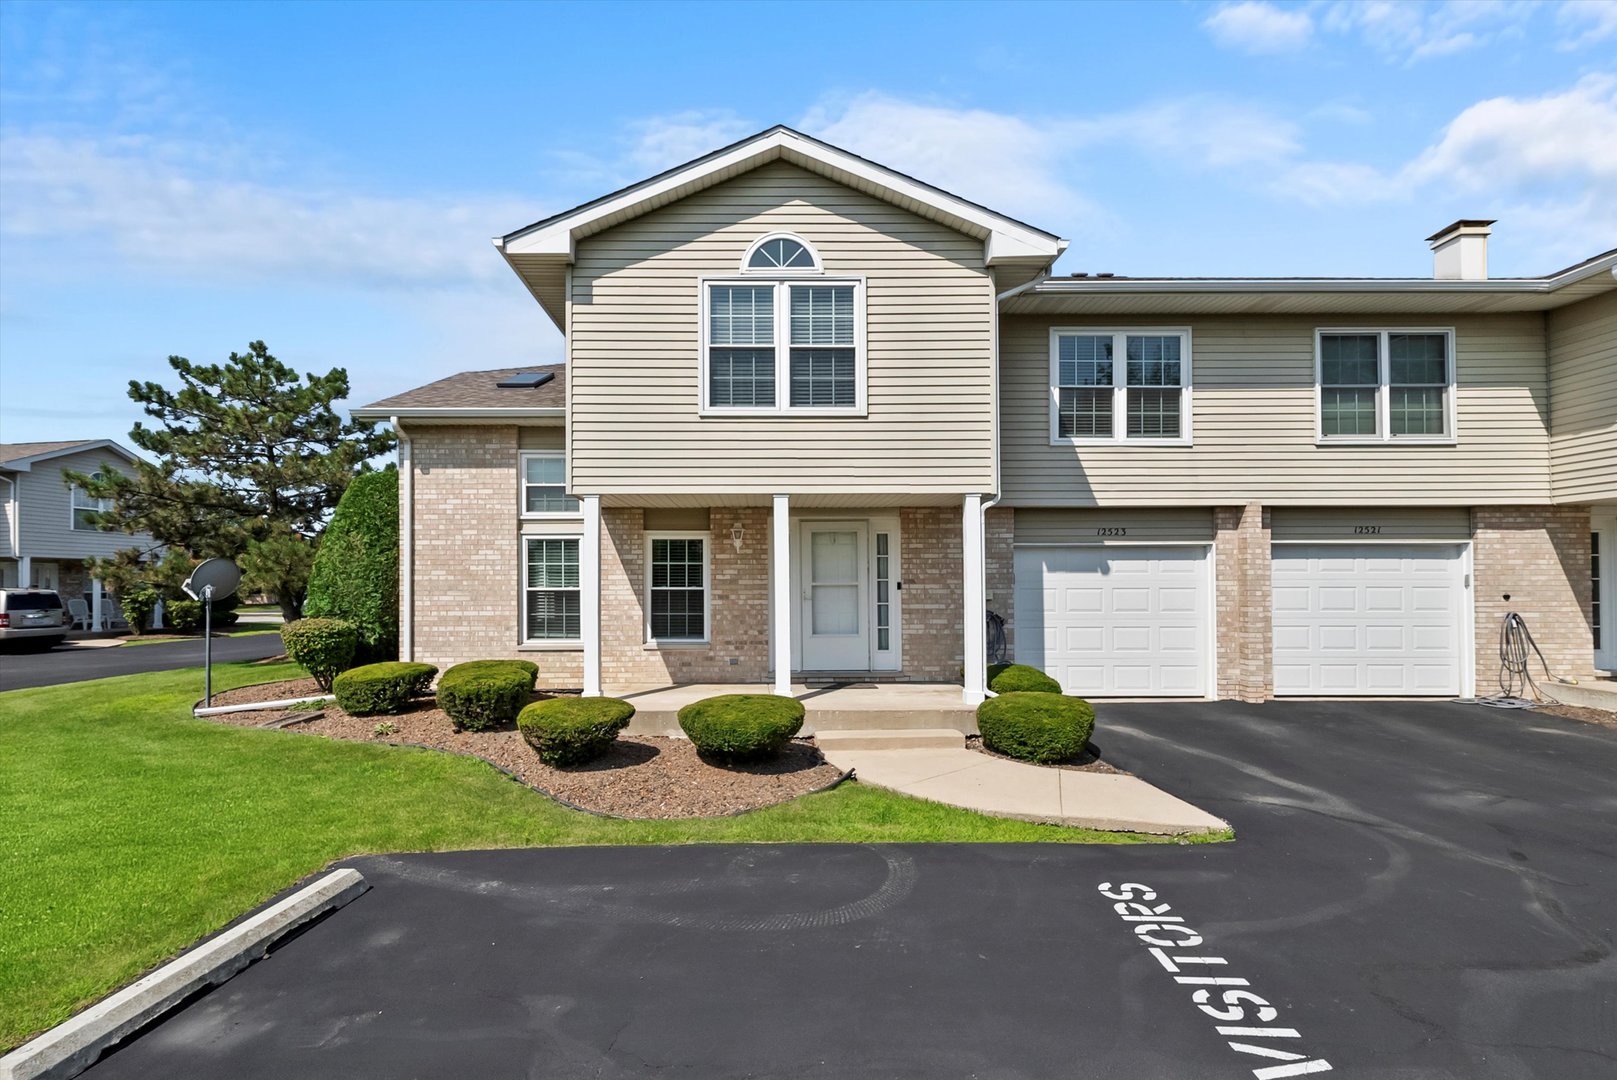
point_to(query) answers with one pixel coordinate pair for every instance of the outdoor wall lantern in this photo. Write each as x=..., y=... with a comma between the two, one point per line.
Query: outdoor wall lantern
x=736, y=535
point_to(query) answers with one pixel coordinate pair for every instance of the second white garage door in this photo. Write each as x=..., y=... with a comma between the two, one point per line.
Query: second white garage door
x=1368, y=619
x=1115, y=620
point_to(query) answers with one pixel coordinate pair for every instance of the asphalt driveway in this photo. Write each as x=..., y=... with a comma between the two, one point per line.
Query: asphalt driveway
x=1418, y=890
x=68, y=665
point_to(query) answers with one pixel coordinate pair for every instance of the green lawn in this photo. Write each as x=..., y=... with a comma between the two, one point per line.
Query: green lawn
x=160, y=637
x=131, y=829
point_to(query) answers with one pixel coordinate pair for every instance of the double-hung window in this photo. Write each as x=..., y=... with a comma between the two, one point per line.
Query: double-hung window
x=676, y=587
x=86, y=511
x=1119, y=386
x=783, y=338
x=1385, y=385
x=544, y=485
x=551, y=608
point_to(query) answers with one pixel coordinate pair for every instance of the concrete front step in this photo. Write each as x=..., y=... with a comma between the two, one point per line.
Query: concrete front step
x=889, y=739
x=1590, y=694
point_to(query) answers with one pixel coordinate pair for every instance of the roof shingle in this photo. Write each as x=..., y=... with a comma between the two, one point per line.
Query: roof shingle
x=478, y=390
x=15, y=451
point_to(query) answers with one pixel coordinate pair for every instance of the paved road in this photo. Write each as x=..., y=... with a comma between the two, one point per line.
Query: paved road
x=64, y=665
x=1420, y=890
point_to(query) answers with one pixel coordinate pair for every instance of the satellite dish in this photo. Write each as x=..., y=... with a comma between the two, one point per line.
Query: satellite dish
x=221, y=575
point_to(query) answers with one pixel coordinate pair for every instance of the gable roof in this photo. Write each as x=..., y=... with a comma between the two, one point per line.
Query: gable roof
x=541, y=252
x=21, y=457
x=476, y=393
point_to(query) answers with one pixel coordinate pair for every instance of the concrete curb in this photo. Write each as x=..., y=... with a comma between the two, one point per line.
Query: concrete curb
x=74, y=1045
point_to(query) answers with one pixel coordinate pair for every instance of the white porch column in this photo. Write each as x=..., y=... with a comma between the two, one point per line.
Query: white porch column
x=973, y=617
x=780, y=586
x=25, y=572
x=96, y=623
x=589, y=591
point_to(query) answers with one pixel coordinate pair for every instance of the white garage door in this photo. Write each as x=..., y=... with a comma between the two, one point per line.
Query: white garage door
x=1115, y=620
x=1368, y=619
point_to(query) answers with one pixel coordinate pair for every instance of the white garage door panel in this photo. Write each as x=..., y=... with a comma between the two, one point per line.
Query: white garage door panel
x=1383, y=619
x=1119, y=620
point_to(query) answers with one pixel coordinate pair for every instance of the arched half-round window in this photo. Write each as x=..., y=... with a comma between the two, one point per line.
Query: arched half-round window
x=781, y=253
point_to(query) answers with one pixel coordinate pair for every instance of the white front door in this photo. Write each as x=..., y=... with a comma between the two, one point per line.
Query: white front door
x=47, y=575
x=1368, y=619
x=835, y=596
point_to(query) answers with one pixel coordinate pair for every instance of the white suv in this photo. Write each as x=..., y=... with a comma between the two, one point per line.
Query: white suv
x=32, y=618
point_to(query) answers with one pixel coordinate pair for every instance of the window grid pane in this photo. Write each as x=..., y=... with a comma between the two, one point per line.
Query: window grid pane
x=741, y=315
x=1083, y=360
x=822, y=314
x=1594, y=577
x=1153, y=413
x=1084, y=413
x=1350, y=376
x=781, y=253
x=678, y=589
x=823, y=378
x=884, y=607
x=1347, y=412
x=741, y=378
x=1418, y=376
x=1153, y=361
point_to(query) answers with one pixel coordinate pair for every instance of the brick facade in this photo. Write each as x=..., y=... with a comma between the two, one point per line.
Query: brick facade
x=1242, y=604
x=1539, y=557
x=738, y=646
x=934, y=647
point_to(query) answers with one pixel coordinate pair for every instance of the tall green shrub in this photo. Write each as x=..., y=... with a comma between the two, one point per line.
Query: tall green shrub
x=356, y=569
x=324, y=647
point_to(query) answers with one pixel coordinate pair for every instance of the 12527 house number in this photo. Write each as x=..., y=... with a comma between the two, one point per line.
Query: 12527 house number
x=1111, y=531
x=1367, y=530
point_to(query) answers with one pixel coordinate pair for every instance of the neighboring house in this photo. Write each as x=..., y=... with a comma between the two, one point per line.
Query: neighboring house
x=46, y=532
x=816, y=416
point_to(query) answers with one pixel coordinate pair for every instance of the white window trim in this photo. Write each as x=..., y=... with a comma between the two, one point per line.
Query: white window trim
x=707, y=587
x=1384, y=435
x=781, y=271
x=543, y=644
x=75, y=493
x=522, y=488
x=1119, y=436
x=783, y=331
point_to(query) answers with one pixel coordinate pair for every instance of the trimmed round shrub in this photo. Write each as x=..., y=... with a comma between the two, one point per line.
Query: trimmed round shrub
x=742, y=727
x=355, y=575
x=322, y=646
x=571, y=731
x=381, y=688
x=1021, y=679
x=1036, y=727
x=484, y=694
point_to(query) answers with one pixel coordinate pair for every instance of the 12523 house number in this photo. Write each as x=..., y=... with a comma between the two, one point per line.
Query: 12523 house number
x=1111, y=531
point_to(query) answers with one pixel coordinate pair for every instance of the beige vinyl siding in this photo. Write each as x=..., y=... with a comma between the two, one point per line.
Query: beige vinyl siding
x=1255, y=430
x=633, y=363
x=1181, y=524
x=542, y=438
x=1583, y=400
x=45, y=510
x=1370, y=523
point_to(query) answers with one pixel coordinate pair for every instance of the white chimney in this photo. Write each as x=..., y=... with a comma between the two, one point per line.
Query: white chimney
x=1460, y=252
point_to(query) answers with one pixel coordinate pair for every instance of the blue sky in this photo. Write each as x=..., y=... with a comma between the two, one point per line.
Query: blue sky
x=184, y=178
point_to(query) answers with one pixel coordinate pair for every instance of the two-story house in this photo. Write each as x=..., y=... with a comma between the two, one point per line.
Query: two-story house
x=47, y=526
x=817, y=418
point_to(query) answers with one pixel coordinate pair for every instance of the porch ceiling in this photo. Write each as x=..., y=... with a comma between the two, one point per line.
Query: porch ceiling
x=810, y=501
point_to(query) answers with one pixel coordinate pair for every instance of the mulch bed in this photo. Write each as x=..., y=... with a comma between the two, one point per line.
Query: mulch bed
x=640, y=777
x=1089, y=761
x=1602, y=717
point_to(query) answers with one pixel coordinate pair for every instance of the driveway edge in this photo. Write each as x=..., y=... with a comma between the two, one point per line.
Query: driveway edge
x=75, y=1044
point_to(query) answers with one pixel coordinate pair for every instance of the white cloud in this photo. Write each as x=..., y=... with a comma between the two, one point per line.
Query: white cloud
x=1587, y=21
x=1411, y=32
x=180, y=206
x=1255, y=27
x=662, y=142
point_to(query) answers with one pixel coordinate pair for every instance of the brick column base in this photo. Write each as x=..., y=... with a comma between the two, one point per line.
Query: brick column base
x=1539, y=557
x=1243, y=615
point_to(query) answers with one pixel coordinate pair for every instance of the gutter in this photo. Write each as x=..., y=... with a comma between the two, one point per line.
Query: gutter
x=433, y=412
x=406, y=543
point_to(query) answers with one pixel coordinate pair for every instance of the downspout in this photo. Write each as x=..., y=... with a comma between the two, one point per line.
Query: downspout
x=406, y=543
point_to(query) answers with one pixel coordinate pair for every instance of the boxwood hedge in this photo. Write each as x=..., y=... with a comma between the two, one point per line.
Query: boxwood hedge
x=483, y=694
x=1036, y=727
x=1021, y=678
x=572, y=731
x=741, y=727
x=381, y=688
x=322, y=646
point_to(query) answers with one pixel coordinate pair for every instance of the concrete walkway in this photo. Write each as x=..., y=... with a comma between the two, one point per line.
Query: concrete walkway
x=1014, y=789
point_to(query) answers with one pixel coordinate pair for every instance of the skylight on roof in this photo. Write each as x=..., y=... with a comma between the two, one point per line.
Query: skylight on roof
x=525, y=380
